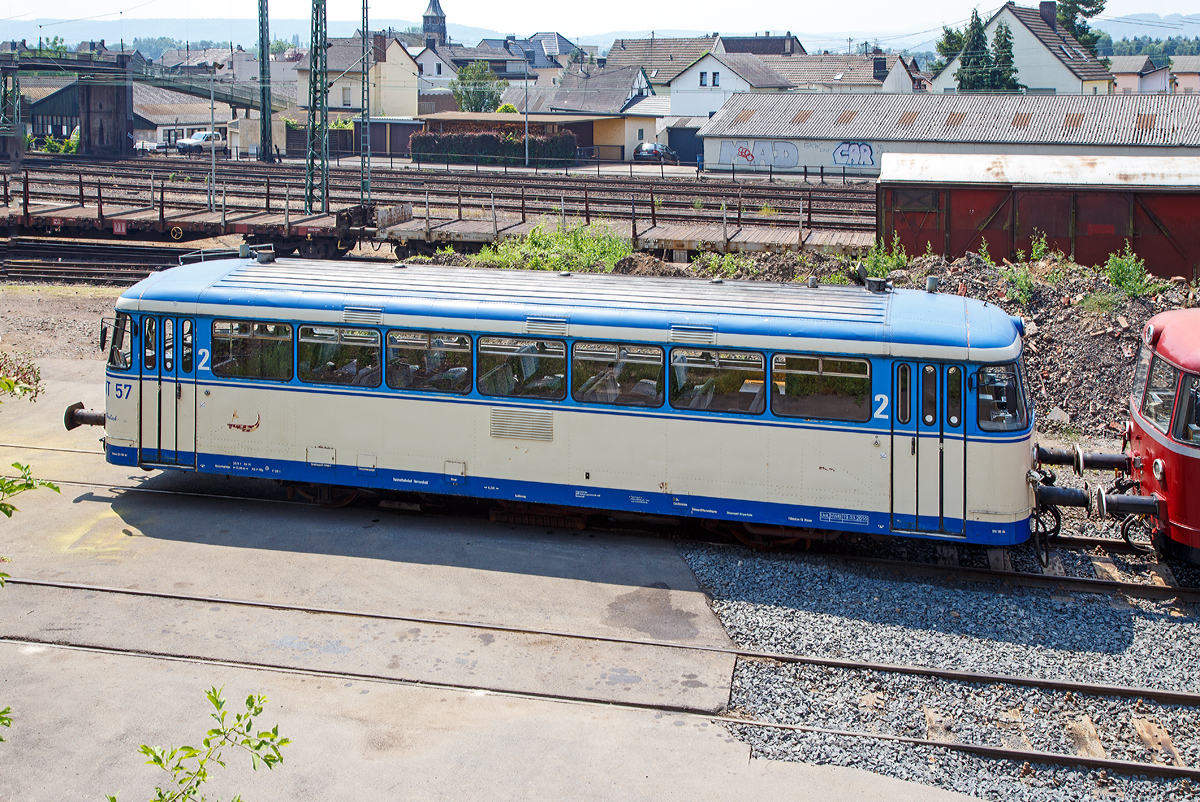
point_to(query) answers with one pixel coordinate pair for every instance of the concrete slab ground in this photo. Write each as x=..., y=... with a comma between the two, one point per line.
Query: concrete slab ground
x=80, y=716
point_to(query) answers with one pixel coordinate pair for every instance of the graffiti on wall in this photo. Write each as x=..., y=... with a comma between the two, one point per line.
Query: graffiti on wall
x=854, y=154
x=760, y=153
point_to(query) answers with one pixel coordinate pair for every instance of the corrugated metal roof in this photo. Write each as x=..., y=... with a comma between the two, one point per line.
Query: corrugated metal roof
x=1176, y=172
x=1155, y=120
x=1185, y=64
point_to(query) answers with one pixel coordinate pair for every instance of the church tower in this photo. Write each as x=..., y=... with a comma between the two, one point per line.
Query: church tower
x=434, y=20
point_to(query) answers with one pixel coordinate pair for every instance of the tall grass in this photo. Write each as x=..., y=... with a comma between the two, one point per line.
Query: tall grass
x=582, y=248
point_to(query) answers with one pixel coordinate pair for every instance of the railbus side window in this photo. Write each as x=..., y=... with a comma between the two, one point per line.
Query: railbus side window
x=168, y=351
x=1001, y=399
x=338, y=355
x=120, y=350
x=929, y=399
x=252, y=349
x=517, y=367
x=822, y=387
x=149, y=344
x=1187, y=427
x=903, y=394
x=954, y=385
x=187, y=344
x=431, y=361
x=1160, y=394
x=613, y=373
x=718, y=381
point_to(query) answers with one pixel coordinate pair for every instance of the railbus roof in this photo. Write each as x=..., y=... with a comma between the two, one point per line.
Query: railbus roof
x=829, y=318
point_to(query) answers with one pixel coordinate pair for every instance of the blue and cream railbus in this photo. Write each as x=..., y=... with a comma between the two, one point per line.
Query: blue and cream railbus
x=837, y=408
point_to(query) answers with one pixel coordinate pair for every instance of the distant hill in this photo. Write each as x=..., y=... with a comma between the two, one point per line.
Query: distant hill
x=1151, y=25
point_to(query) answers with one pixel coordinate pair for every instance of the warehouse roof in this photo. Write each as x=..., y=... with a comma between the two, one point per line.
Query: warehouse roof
x=1175, y=172
x=1161, y=120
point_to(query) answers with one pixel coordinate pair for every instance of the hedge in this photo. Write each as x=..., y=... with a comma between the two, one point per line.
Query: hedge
x=493, y=147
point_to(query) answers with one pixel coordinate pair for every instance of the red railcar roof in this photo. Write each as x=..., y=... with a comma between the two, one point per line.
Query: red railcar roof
x=1178, y=337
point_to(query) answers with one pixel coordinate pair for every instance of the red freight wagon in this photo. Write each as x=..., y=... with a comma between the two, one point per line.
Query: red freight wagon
x=1085, y=206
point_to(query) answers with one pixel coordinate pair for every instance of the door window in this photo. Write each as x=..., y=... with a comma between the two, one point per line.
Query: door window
x=903, y=394
x=150, y=345
x=954, y=396
x=929, y=399
x=187, y=346
x=168, y=352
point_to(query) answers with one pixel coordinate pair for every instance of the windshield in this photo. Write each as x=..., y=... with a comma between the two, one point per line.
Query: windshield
x=1187, y=425
x=1001, y=401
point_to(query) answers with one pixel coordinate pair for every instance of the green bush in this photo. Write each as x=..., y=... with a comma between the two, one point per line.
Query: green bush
x=722, y=265
x=578, y=249
x=1022, y=281
x=1127, y=273
x=879, y=261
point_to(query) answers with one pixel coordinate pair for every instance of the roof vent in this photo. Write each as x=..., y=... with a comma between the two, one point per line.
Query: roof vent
x=696, y=335
x=362, y=315
x=743, y=116
x=955, y=119
x=552, y=326
x=1021, y=119
x=801, y=117
x=846, y=116
x=1073, y=121
x=907, y=119
x=1145, y=122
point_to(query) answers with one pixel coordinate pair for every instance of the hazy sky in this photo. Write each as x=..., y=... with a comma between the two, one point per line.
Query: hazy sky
x=878, y=17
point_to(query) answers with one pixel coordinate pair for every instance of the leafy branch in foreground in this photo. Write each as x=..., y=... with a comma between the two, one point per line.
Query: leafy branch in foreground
x=189, y=766
x=12, y=486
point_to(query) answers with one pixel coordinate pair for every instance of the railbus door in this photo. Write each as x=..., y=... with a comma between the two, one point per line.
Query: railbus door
x=928, y=448
x=168, y=402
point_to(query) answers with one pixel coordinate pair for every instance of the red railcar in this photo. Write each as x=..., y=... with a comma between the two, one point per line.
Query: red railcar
x=1086, y=207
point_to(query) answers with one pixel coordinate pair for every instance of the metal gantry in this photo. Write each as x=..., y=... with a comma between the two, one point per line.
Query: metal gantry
x=10, y=105
x=266, y=147
x=364, y=143
x=316, y=171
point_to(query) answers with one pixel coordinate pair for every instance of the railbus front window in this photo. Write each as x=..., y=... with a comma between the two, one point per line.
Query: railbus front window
x=1160, y=394
x=517, y=367
x=252, y=350
x=338, y=355
x=718, y=381
x=120, y=350
x=1001, y=399
x=612, y=373
x=822, y=387
x=1187, y=426
x=430, y=361
x=1145, y=354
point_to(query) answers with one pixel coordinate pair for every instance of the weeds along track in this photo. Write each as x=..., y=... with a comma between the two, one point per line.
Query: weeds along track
x=250, y=187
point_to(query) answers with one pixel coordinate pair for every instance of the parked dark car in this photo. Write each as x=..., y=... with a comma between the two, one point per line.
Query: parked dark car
x=651, y=152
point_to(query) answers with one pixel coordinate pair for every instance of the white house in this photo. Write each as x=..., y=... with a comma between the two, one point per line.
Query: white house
x=392, y=76
x=1049, y=60
x=433, y=71
x=709, y=81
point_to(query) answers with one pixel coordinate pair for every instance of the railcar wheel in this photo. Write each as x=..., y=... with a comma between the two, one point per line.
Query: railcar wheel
x=1047, y=523
x=1136, y=530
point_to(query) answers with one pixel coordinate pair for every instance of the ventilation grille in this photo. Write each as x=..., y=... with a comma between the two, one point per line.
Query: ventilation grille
x=362, y=315
x=556, y=326
x=696, y=335
x=520, y=424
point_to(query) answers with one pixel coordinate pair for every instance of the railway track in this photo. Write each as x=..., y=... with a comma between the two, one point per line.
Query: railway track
x=244, y=188
x=991, y=745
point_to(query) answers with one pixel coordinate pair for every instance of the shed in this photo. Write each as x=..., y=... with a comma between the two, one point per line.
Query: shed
x=1087, y=207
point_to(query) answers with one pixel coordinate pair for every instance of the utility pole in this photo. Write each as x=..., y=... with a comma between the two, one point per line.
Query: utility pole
x=212, y=128
x=316, y=171
x=526, y=73
x=364, y=142
x=266, y=145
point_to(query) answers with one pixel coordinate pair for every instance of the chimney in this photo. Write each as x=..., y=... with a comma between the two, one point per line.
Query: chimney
x=431, y=42
x=378, y=47
x=880, y=72
x=1049, y=12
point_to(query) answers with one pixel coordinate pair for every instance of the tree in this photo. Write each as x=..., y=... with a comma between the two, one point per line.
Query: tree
x=507, y=108
x=476, y=88
x=949, y=46
x=974, y=73
x=1074, y=14
x=1004, y=71
x=19, y=378
x=152, y=47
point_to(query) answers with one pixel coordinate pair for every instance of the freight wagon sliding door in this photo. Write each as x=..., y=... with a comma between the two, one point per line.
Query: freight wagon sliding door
x=168, y=400
x=928, y=449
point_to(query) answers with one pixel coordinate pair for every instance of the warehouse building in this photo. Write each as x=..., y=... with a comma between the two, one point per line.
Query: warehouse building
x=834, y=133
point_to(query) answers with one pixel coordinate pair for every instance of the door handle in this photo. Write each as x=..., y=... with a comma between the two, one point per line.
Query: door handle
x=913, y=447
x=178, y=391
